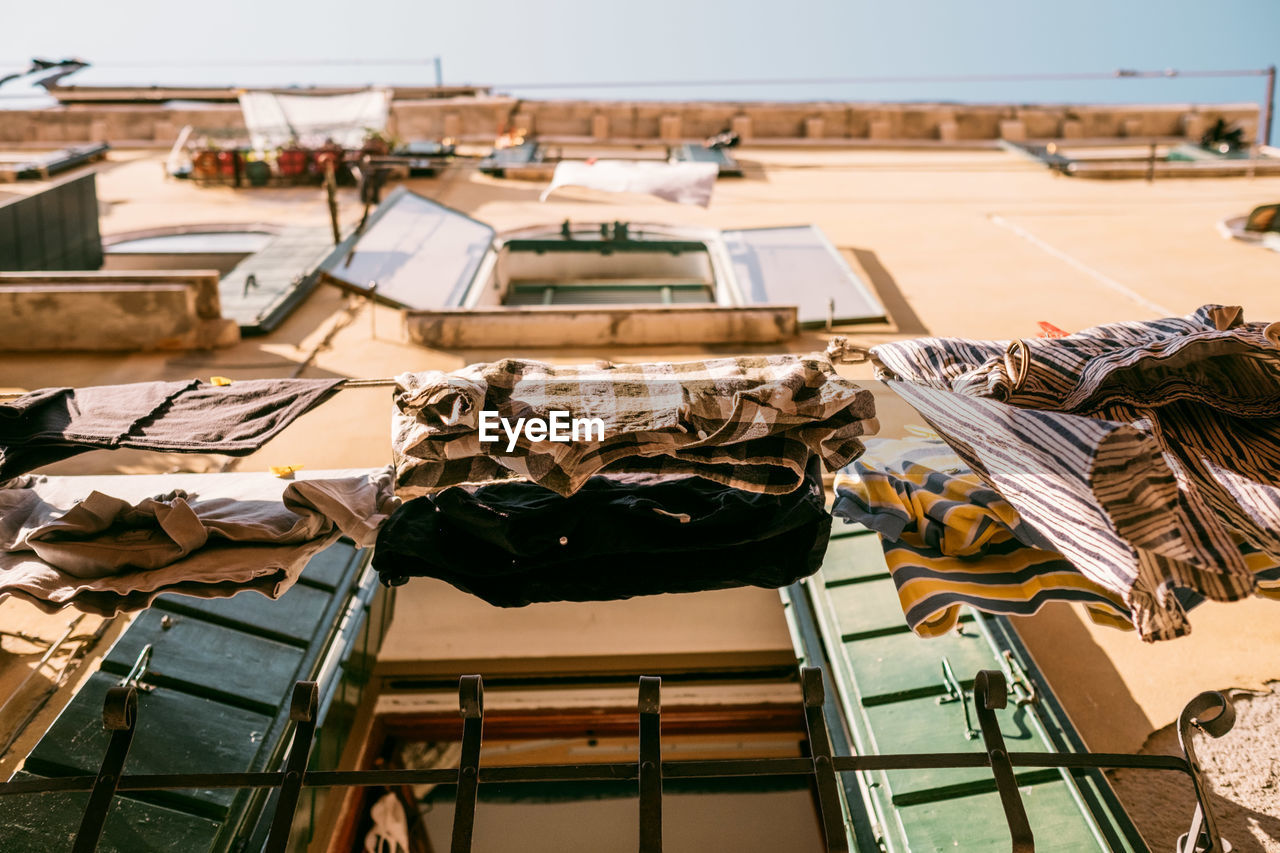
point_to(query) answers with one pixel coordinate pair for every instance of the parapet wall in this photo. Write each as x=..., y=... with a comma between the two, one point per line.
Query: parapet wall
x=560, y=326
x=119, y=312
x=480, y=119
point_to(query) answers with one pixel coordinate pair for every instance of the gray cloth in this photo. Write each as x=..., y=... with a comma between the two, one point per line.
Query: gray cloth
x=195, y=417
x=107, y=544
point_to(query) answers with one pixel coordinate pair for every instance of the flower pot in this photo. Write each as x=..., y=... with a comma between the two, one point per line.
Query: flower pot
x=258, y=173
x=292, y=162
x=204, y=165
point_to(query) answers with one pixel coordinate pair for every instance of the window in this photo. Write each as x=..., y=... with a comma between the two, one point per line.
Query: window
x=609, y=264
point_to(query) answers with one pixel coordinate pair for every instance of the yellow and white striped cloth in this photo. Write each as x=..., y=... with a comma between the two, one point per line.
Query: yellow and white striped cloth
x=950, y=539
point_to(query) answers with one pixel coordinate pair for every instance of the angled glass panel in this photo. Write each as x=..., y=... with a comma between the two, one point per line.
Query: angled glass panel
x=797, y=265
x=418, y=253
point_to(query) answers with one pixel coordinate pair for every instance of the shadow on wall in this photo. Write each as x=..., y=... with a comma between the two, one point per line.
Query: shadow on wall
x=20, y=657
x=1242, y=769
x=1087, y=684
x=895, y=304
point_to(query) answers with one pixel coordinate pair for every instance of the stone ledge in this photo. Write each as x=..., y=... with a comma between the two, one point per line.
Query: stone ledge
x=112, y=312
x=624, y=325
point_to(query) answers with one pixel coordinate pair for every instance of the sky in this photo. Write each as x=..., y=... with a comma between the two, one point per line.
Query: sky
x=519, y=46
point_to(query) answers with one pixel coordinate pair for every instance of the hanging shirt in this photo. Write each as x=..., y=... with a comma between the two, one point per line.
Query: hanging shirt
x=194, y=417
x=112, y=543
x=950, y=539
x=1141, y=451
x=751, y=423
x=619, y=536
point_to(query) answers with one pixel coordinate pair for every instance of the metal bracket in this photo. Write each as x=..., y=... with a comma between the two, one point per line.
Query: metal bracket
x=840, y=351
x=302, y=710
x=1024, y=689
x=990, y=695
x=1203, y=835
x=141, y=666
x=823, y=768
x=650, y=765
x=956, y=693
x=471, y=705
x=120, y=717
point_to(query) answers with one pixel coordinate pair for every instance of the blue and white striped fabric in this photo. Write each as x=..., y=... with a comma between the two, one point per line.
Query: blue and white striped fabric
x=1141, y=451
x=949, y=540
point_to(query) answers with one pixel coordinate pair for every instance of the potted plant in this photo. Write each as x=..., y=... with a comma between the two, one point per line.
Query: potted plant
x=292, y=160
x=377, y=142
x=257, y=170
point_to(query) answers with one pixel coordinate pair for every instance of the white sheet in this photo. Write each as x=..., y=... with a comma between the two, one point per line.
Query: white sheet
x=310, y=120
x=686, y=183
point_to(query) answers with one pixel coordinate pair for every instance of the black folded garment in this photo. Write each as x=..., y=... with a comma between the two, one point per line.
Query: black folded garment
x=621, y=535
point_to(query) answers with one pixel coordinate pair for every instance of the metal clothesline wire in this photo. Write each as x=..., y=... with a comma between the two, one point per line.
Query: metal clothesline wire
x=839, y=349
x=1012, y=77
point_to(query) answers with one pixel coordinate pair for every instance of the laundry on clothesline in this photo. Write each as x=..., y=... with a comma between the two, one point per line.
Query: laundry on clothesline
x=107, y=544
x=949, y=540
x=684, y=183
x=1141, y=451
x=750, y=423
x=619, y=536
x=52, y=424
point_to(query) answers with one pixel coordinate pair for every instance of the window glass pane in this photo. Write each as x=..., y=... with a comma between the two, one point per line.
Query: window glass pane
x=799, y=266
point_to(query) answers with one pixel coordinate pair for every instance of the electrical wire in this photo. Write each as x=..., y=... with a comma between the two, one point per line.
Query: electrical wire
x=879, y=80
x=1038, y=77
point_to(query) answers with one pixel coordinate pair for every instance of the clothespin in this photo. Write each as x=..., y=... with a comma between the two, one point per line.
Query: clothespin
x=219, y=380
x=285, y=472
x=1048, y=330
x=843, y=352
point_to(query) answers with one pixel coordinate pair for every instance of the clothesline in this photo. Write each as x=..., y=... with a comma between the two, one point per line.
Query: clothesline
x=839, y=350
x=718, y=458
x=1081, y=497
x=348, y=383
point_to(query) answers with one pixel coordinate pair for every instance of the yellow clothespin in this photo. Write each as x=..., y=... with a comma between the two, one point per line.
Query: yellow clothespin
x=285, y=471
x=219, y=380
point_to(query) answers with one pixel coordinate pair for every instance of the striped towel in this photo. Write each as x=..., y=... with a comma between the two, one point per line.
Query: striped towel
x=1142, y=451
x=949, y=540
x=751, y=423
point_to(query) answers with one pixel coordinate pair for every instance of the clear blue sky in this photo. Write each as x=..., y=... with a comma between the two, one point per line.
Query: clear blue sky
x=513, y=43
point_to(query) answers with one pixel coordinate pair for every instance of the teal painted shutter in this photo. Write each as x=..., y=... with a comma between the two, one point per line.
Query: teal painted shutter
x=223, y=671
x=892, y=698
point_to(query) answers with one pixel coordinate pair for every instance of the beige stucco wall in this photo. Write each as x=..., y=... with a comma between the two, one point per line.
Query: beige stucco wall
x=480, y=119
x=972, y=243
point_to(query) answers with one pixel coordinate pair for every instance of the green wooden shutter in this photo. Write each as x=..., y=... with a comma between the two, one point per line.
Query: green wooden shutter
x=892, y=697
x=223, y=671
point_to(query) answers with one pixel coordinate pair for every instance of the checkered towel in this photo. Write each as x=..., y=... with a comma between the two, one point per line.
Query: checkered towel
x=750, y=423
x=1141, y=450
